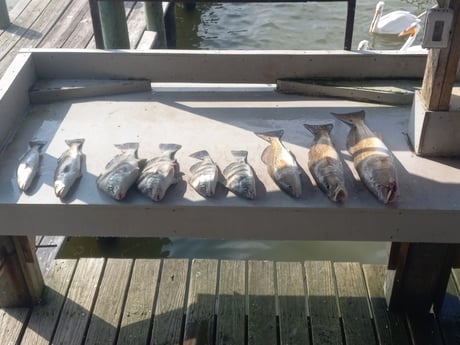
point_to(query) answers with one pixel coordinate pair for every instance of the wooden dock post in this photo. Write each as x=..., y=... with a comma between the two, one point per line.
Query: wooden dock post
x=155, y=21
x=114, y=26
x=4, y=16
x=433, y=126
x=170, y=25
x=21, y=281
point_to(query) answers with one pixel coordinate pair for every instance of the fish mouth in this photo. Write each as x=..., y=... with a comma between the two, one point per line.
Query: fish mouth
x=338, y=195
x=389, y=193
x=59, y=189
x=119, y=196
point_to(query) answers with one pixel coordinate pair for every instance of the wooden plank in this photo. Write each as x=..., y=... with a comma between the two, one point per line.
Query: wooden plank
x=322, y=303
x=230, y=328
x=243, y=66
x=449, y=315
x=78, y=305
x=48, y=250
x=136, y=24
x=201, y=303
x=12, y=323
x=441, y=67
x=46, y=91
x=47, y=19
x=354, y=304
x=106, y=316
x=137, y=314
x=73, y=15
x=45, y=316
x=81, y=36
x=21, y=26
x=261, y=303
x=293, y=323
x=169, y=311
x=390, y=327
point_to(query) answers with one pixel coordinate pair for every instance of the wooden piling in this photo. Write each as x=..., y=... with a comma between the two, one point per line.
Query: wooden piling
x=154, y=18
x=21, y=281
x=114, y=26
x=170, y=25
x=4, y=16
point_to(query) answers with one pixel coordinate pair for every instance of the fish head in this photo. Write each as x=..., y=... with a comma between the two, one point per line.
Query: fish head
x=289, y=181
x=60, y=189
x=246, y=188
x=384, y=184
x=155, y=186
x=206, y=189
x=116, y=191
x=335, y=188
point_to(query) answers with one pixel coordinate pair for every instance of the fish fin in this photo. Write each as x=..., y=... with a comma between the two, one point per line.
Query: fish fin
x=36, y=142
x=200, y=154
x=142, y=163
x=378, y=135
x=79, y=142
x=127, y=147
x=315, y=129
x=351, y=118
x=265, y=154
x=267, y=136
x=240, y=155
x=173, y=148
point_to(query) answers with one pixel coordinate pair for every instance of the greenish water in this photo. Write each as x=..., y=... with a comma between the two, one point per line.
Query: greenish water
x=303, y=26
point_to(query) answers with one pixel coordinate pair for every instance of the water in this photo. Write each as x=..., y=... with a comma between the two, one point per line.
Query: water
x=302, y=26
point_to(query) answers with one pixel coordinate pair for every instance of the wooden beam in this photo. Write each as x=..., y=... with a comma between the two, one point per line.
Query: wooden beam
x=417, y=276
x=441, y=68
x=21, y=281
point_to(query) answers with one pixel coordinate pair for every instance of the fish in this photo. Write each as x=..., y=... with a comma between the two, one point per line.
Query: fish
x=160, y=173
x=372, y=159
x=121, y=172
x=239, y=176
x=69, y=168
x=29, y=164
x=324, y=163
x=204, y=174
x=281, y=164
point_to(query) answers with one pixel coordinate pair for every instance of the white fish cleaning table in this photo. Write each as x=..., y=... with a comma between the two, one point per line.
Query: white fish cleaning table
x=218, y=118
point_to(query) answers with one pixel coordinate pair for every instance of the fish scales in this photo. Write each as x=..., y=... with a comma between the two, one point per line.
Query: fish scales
x=205, y=174
x=69, y=168
x=29, y=165
x=324, y=163
x=239, y=176
x=121, y=172
x=281, y=164
x=372, y=159
x=160, y=173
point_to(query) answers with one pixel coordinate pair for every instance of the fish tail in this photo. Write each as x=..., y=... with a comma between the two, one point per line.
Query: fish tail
x=78, y=142
x=128, y=147
x=173, y=148
x=315, y=129
x=36, y=142
x=351, y=118
x=200, y=155
x=240, y=155
x=267, y=136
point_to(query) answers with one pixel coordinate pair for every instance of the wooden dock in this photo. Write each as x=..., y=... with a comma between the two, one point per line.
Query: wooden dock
x=177, y=301
x=59, y=24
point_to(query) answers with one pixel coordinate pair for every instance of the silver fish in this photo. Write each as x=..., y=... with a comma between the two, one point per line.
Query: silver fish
x=29, y=164
x=239, y=176
x=281, y=164
x=372, y=159
x=160, y=173
x=121, y=172
x=324, y=163
x=69, y=167
x=205, y=174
